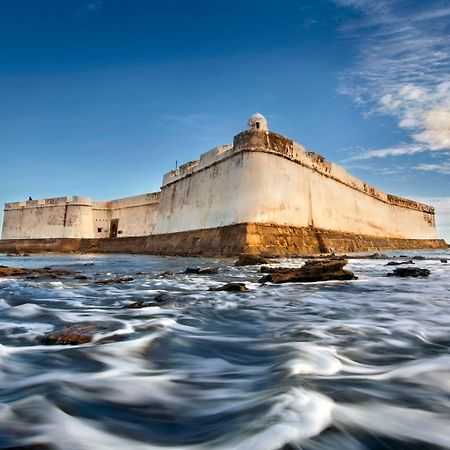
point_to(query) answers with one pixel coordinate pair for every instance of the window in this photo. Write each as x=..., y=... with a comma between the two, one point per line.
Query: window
x=99, y=230
x=257, y=125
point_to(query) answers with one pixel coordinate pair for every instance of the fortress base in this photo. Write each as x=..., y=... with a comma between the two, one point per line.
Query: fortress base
x=232, y=240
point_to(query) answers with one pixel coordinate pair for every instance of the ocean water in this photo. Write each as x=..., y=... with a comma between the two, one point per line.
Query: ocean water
x=351, y=365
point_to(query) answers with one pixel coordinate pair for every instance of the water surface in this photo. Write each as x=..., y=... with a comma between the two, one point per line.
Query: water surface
x=360, y=364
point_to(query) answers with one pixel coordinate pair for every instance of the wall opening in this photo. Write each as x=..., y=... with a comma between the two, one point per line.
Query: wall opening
x=114, y=227
x=99, y=230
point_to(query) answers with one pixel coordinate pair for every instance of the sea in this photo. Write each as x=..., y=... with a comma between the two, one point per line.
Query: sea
x=342, y=365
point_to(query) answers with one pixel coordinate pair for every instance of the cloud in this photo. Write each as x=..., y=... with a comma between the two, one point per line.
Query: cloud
x=402, y=69
x=402, y=149
x=443, y=168
x=94, y=6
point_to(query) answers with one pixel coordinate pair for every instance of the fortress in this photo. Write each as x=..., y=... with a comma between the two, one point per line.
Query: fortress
x=263, y=194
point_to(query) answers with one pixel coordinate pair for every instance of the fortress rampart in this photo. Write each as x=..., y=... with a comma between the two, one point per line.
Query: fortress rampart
x=263, y=181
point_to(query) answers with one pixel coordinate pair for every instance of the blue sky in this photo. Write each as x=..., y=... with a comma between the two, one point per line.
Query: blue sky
x=101, y=97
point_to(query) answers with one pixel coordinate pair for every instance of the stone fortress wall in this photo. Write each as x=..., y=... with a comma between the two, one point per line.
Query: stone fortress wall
x=262, y=178
x=80, y=217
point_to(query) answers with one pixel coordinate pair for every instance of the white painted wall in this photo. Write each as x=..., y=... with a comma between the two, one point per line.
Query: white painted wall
x=263, y=187
x=79, y=217
x=64, y=217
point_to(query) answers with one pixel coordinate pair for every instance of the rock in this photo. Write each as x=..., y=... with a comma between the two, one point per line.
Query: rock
x=46, y=272
x=409, y=272
x=314, y=270
x=80, y=333
x=167, y=274
x=200, y=271
x=444, y=261
x=161, y=297
x=232, y=287
x=376, y=256
x=80, y=277
x=137, y=305
x=420, y=258
x=393, y=263
x=115, y=280
x=250, y=260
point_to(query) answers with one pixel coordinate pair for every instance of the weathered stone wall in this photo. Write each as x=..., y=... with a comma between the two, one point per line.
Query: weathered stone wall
x=79, y=217
x=263, y=239
x=63, y=217
x=136, y=215
x=267, y=178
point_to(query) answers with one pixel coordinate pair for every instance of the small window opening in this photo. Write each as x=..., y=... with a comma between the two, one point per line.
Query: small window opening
x=99, y=230
x=119, y=232
x=257, y=125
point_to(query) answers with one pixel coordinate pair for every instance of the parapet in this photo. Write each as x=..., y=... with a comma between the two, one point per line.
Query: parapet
x=48, y=202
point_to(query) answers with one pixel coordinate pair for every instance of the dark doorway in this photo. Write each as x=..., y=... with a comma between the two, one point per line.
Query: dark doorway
x=114, y=227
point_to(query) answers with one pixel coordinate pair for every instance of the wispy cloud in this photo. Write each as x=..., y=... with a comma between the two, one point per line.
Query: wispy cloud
x=89, y=8
x=443, y=168
x=403, y=69
x=94, y=6
x=402, y=149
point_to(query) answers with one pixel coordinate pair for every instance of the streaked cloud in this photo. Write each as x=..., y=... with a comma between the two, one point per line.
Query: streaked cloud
x=443, y=168
x=403, y=69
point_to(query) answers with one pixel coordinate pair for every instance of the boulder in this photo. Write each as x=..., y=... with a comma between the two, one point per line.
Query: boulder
x=80, y=333
x=444, y=261
x=250, y=260
x=46, y=272
x=231, y=287
x=314, y=270
x=394, y=263
x=115, y=280
x=137, y=305
x=167, y=274
x=409, y=272
x=204, y=271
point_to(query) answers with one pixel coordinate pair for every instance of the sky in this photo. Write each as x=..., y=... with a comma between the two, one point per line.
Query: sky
x=102, y=97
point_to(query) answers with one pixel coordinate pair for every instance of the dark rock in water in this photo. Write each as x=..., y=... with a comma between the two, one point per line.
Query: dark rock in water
x=200, y=271
x=444, y=261
x=393, y=263
x=89, y=264
x=232, y=287
x=80, y=333
x=167, y=274
x=376, y=256
x=409, y=272
x=115, y=280
x=420, y=258
x=268, y=269
x=250, y=260
x=46, y=272
x=80, y=277
x=137, y=305
x=164, y=297
x=314, y=270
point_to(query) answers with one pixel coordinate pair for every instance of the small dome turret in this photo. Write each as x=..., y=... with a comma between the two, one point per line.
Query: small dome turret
x=257, y=122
